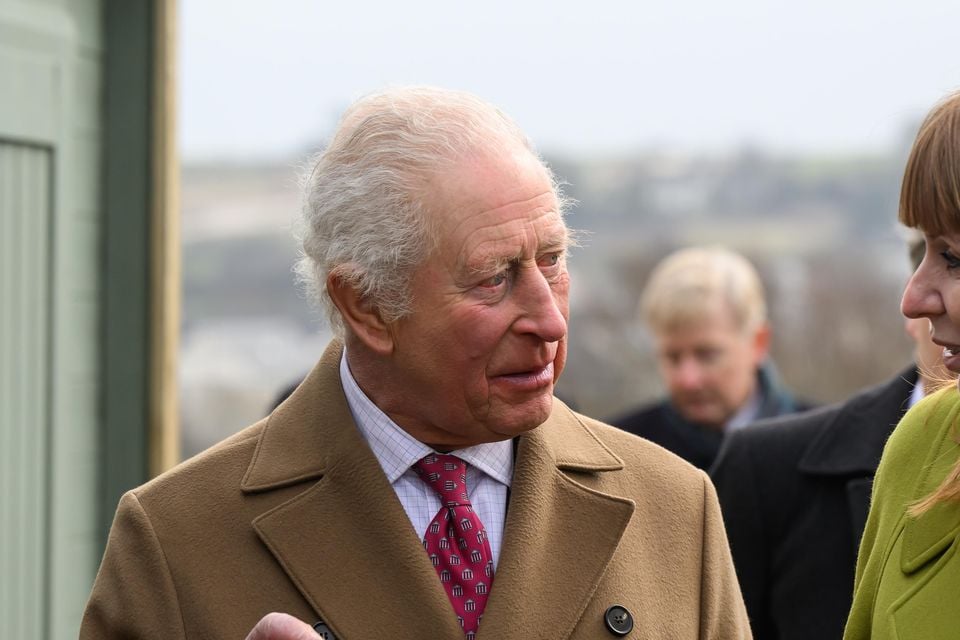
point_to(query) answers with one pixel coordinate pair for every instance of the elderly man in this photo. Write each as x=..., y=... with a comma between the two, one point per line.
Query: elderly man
x=706, y=310
x=422, y=482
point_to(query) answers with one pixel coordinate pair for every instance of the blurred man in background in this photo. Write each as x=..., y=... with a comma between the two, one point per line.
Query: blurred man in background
x=795, y=493
x=706, y=310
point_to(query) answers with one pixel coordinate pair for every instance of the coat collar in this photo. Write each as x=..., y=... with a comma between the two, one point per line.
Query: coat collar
x=340, y=554
x=293, y=446
x=344, y=539
x=775, y=399
x=297, y=443
x=852, y=440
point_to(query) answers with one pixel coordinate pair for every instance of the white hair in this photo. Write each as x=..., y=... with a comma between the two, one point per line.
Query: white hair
x=366, y=197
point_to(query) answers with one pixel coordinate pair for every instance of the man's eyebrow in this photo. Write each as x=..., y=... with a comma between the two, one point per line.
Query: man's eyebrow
x=558, y=241
x=490, y=264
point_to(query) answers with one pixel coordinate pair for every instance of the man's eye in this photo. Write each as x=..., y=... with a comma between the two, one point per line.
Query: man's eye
x=496, y=280
x=708, y=356
x=550, y=260
x=953, y=262
x=671, y=357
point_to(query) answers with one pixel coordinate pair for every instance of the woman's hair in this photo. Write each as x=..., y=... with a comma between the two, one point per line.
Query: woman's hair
x=366, y=197
x=930, y=193
x=930, y=201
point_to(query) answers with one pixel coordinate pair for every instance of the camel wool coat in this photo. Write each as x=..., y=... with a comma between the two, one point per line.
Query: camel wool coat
x=294, y=514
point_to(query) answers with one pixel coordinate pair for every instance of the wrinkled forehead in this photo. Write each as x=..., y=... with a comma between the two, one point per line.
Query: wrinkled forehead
x=485, y=193
x=524, y=234
x=488, y=174
x=513, y=240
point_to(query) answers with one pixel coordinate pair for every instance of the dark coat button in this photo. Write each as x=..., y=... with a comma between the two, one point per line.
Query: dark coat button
x=324, y=631
x=619, y=621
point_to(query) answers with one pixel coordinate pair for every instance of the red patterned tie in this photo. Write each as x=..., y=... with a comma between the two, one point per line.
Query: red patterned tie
x=456, y=540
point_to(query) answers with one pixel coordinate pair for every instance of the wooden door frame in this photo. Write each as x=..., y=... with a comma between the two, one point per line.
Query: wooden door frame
x=141, y=247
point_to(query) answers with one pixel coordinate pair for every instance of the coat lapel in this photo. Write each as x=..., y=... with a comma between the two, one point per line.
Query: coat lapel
x=559, y=535
x=345, y=540
x=851, y=443
x=349, y=548
x=929, y=535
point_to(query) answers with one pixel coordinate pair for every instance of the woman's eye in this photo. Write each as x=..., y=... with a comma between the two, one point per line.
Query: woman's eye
x=953, y=262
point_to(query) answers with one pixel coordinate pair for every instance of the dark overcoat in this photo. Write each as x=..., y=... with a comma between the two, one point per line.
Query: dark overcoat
x=795, y=492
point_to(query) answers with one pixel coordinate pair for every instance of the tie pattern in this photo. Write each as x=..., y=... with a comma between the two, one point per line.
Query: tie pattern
x=456, y=541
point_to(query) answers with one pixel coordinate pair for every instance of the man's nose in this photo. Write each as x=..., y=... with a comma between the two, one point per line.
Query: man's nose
x=543, y=310
x=921, y=298
x=688, y=374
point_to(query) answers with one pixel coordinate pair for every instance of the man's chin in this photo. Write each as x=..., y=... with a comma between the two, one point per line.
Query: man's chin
x=517, y=420
x=701, y=416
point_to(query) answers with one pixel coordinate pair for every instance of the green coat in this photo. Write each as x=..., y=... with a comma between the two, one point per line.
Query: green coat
x=907, y=583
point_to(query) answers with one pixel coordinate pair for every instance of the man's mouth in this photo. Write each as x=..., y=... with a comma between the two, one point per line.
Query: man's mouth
x=529, y=379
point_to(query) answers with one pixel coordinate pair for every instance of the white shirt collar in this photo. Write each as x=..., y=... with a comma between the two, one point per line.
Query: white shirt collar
x=918, y=392
x=397, y=450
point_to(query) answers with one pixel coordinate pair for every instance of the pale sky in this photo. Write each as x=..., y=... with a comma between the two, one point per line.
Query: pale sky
x=270, y=78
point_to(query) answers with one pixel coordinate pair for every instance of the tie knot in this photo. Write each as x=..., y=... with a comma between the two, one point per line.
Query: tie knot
x=447, y=475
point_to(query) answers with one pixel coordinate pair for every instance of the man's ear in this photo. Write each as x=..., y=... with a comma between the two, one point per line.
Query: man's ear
x=360, y=315
x=761, y=343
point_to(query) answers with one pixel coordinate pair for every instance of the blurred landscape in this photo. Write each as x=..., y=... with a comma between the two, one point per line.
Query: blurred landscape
x=821, y=229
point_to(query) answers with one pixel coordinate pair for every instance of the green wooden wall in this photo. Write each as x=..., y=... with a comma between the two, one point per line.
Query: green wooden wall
x=73, y=295
x=25, y=253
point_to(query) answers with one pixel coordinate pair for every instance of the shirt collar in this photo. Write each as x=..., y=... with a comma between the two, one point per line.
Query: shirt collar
x=397, y=450
x=918, y=392
x=746, y=414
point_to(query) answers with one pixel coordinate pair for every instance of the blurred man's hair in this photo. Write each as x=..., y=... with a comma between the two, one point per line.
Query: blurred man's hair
x=690, y=283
